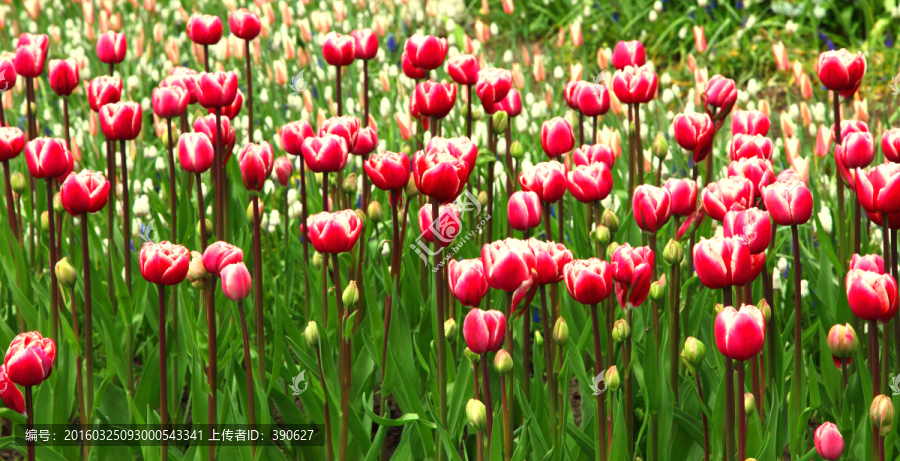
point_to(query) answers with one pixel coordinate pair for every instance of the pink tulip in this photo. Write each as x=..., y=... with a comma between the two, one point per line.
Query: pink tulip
x=466, y=281
x=727, y=194
x=652, y=207
x=435, y=99
x=29, y=359
x=590, y=183
x=12, y=141
x=439, y=174
x=593, y=99
x=890, y=145
x=557, y=137
x=550, y=260
x=448, y=226
x=219, y=255
x=63, y=76
x=547, y=180
x=631, y=269
x=410, y=70
x=788, y=202
x=346, y=127
x=879, y=188
x=12, y=396
x=587, y=154
x=699, y=39
x=511, y=104
x=293, y=134
x=388, y=171
x=86, y=192
x=236, y=282
x=207, y=127
x=366, y=44
x=426, y=51
x=828, y=441
x=283, y=170
x=722, y=262
x=216, y=89
x=752, y=225
x=31, y=52
x=635, y=85
x=870, y=263
x=523, y=210
x=750, y=146
x=757, y=170
x=629, y=53
x=111, y=47
x=740, y=334
x=484, y=330
x=47, y=157
x=204, y=29
x=244, y=24
x=871, y=296
x=170, y=102
x=121, y=120
x=325, y=154
x=334, y=232
x=694, y=132
x=589, y=281
x=164, y=263
x=463, y=69
x=856, y=150
x=256, y=163
x=338, y=50
x=749, y=122
x=8, y=69
x=493, y=84
x=508, y=264
x=684, y=195
x=721, y=93
x=841, y=70
x=104, y=90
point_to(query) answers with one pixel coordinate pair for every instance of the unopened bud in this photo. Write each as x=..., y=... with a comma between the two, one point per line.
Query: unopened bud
x=660, y=147
x=621, y=330
x=882, y=414
x=718, y=308
x=411, y=189
x=476, y=414
x=610, y=249
x=749, y=403
x=610, y=220
x=673, y=253
x=363, y=218
x=208, y=226
x=349, y=184
x=516, y=149
x=601, y=235
x=197, y=273
x=538, y=338
x=499, y=121
x=312, y=334
x=612, y=378
x=693, y=354
x=561, y=332
x=65, y=273
x=374, y=211
x=450, y=329
x=17, y=183
x=473, y=357
x=482, y=198
x=57, y=203
x=317, y=260
x=763, y=307
x=657, y=290
x=842, y=341
x=45, y=220
x=503, y=362
x=351, y=293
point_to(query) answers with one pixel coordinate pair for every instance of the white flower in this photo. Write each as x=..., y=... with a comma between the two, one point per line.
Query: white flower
x=558, y=72
x=753, y=86
x=160, y=165
x=292, y=196
x=804, y=288
x=268, y=187
x=141, y=206
x=657, y=6
x=776, y=281
x=652, y=16
x=790, y=27
x=825, y=218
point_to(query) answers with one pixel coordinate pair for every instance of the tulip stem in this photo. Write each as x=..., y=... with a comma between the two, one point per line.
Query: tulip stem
x=305, y=241
x=126, y=210
x=486, y=382
x=328, y=443
x=729, y=409
x=218, y=165
x=202, y=210
x=205, y=59
x=163, y=374
x=343, y=315
x=110, y=221
x=441, y=346
x=674, y=326
x=78, y=376
x=841, y=221
x=889, y=268
x=631, y=156
x=469, y=111
x=32, y=133
x=258, y=291
x=507, y=421
x=54, y=287
x=324, y=255
x=629, y=396
x=895, y=323
x=548, y=362
x=741, y=413
x=10, y=201
x=598, y=368
x=248, y=367
x=337, y=91
x=388, y=302
x=873, y=369
x=639, y=151
x=249, y=93
x=479, y=435
x=705, y=422
x=798, y=337
x=29, y=421
x=88, y=317
x=213, y=359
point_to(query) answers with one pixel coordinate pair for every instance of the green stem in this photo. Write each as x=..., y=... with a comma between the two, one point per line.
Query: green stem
x=441, y=346
x=248, y=368
x=798, y=336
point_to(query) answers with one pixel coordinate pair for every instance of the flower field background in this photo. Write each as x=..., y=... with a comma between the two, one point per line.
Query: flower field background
x=533, y=230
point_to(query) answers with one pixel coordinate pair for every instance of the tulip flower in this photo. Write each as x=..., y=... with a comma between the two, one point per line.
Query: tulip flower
x=236, y=282
x=508, y=264
x=448, y=226
x=185, y=79
x=63, y=76
x=841, y=70
x=388, y=171
x=635, y=85
x=86, y=192
x=630, y=53
x=410, y=70
x=244, y=24
x=435, y=99
x=828, y=441
x=631, y=269
x=593, y=99
x=164, y=263
x=12, y=141
x=334, y=232
x=550, y=261
x=221, y=254
x=29, y=359
x=788, y=202
x=871, y=296
x=111, y=47
x=256, y=162
x=590, y=183
x=293, y=134
x=217, y=89
x=684, y=195
x=589, y=281
x=47, y=157
x=426, y=51
x=752, y=225
x=195, y=152
x=366, y=141
x=511, y=104
x=587, y=154
x=842, y=343
x=869, y=263
x=104, y=90
x=557, y=137
x=366, y=43
x=121, y=120
x=721, y=94
x=727, y=194
x=694, y=132
x=547, y=179
x=890, y=145
x=722, y=262
x=856, y=150
x=283, y=170
x=740, y=333
x=231, y=110
x=8, y=69
x=325, y=154
x=492, y=85
x=751, y=122
x=652, y=207
x=170, y=102
x=346, y=127
x=204, y=29
x=466, y=281
x=524, y=210
x=31, y=52
x=11, y=395
x=570, y=95
x=338, y=50
x=463, y=69
x=440, y=175
x=699, y=39
x=750, y=146
x=484, y=330
x=757, y=170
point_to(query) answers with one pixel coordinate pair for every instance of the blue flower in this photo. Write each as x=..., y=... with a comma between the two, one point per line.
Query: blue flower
x=888, y=41
x=535, y=316
x=615, y=16
x=391, y=42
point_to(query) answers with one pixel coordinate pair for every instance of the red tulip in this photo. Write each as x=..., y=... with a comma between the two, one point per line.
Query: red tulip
x=871, y=296
x=164, y=263
x=890, y=145
x=550, y=260
x=484, y=330
x=593, y=99
x=216, y=89
x=752, y=225
x=426, y=51
x=29, y=359
x=219, y=255
x=589, y=281
x=523, y=210
x=207, y=127
x=283, y=170
x=232, y=110
x=757, y=170
x=850, y=126
x=557, y=137
x=366, y=43
x=630, y=53
x=435, y=99
x=590, y=183
x=757, y=264
x=652, y=207
x=85, y=192
x=347, y=127
x=840, y=70
x=339, y=50
x=691, y=224
x=63, y=76
x=111, y=47
x=788, y=202
x=293, y=134
x=587, y=154
x=721, y=93
x=195, y=152
x=185, y=79
x=727, y=194
x=31, y=52
x=244, y=24
x=508, y=264
x=869, y=263
x=439, y=174
x=11, y=394
x=828, y=441
x=448, y=226
x=493, y=84
x=204, y=29
x=750, y=146
x=12, y=141
x=8, y=70
x=410, y=70
x=47, y=157
x=749, y=122
x=121, y=120
x=326, y=154
x=570, y=95
x=684, y=195
x=635, y=85
x=256, y=162
x=104, y=90
x=170, y=102
x=334, y=232
x=388, y=171
x=722, y=262
x=547, y=180
x=893, y=219
x=511, y=104
x=236, y=282
x=856, y=150
x=694, y=132
x=631, y=269
x=463, y=69
x=466, y=281
x=740, y=333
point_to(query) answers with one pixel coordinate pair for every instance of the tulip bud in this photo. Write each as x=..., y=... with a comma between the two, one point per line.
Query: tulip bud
x=482, y=198
x=749, y=403
x=45, y=220
x=763, y=307
x=660, y=147
x=561, y=332
x=450, y=329
x=657, y=291
x=209, y=228
x=673, y=253
x=610, y=220
x=17, y=182
x=538, y=338
x=503, y=362
x=317, y=260
x=312, y=334
x=57, y=203
x=516, y=150
x=250, y=211
x=362, y=216
x=499, y=121
x=882, y=414
x=612, y=379
x=693, y=353
x=65, y=273
x=601, y=235
x=411, y=189
x=621, y=331
x=476, y=414
x=351, y=294
x=318, y=177
x=473, y=357
x=718, y=308
x=611, y=249
x=349, y=184
x=197, y=272
x=374, y=211
x=842, y=341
